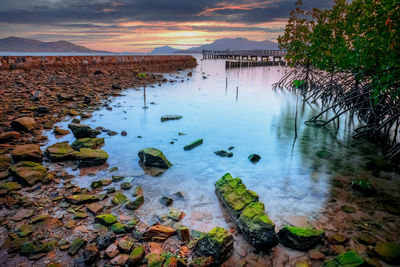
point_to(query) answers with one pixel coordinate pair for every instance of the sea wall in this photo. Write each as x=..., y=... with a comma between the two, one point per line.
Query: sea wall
x=145, y=63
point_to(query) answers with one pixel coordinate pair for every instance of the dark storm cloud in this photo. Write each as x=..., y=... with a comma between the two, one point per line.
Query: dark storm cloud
x=104, y=11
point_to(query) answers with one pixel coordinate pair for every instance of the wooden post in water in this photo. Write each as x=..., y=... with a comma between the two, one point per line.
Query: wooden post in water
x=226, y=85
x=144, y=96
x=237, y=93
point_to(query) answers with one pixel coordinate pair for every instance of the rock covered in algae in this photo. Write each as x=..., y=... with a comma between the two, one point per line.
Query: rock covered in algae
x=28, y=172
x=83, y=131
x=300, y=238
x=254, y=158
x=346, y=259
x=193, y=144
x=389, y=251
x=92, y=143
x=91, y=157
x=170, y=117
x=60, y=151
x=81, y=199
x=105, y=219
x=217, y=243
x=154, y=260
x=119, y=199
x=152, y=157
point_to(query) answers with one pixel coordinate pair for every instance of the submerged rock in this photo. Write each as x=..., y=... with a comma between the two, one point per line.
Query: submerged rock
x=223, y=153
x=92, y=143
x=29, y=152
x=152, y=157
x=28, y=172
x=300, y=238
x=119, y=199
x=166, y=201
x=82, y=130
x=60, y=151
x=26, y=124
x=91, y=157
x=135, y=204
x=58, y=131
x=170, y=117
x=217, y=243
x=247, y=212
x=348, y=258
x=193, y=144
x=254, y=158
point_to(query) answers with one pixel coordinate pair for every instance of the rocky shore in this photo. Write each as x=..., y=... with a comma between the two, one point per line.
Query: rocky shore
x=47, y=220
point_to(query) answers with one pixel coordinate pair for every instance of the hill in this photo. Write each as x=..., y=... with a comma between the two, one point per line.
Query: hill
x=164, y=50
x=236, y=44
x=17, y=44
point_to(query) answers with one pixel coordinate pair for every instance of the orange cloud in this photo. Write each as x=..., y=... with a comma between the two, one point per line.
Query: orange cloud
x=227, y=6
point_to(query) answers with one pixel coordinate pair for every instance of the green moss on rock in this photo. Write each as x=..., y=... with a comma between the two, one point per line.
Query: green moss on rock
x=346, y=259
x=92, y=143
x=152, y=157
x=81, y=199
x=60, y=151
x=389, y=251
x=300, y=238
x=76, y=245
x=28, y=172
x=119, y=199
x=136, y=256
x=119, y=228
x=106, y=219
x=154, y=260
x=193, y=144
x=25, y=230
x=217, y=243
x=10, y=186
x=91, y=157
x=135, y=204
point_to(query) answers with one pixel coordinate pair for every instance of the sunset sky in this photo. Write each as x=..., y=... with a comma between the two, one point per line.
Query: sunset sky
x=140, y=25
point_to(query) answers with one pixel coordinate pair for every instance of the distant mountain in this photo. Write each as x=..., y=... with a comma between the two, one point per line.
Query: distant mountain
x=164, y=50
x=16, y=44
x=236, y=44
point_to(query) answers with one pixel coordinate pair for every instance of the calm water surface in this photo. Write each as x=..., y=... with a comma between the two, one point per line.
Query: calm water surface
x=290, y=179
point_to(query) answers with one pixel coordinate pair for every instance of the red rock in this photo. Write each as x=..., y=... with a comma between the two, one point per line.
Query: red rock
x=29, y=152
x=315, y=254
x=120, y=260
x=160, y=231
x=9, y=136
x=112, y=251
x=26, y=124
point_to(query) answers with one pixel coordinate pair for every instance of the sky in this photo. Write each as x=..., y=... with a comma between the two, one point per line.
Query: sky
x=141, y=25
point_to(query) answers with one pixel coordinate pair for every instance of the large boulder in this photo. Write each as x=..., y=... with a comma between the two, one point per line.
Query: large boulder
x=152, y=157
x=92, y=143
x=60, y=151
x=217, y=243
x=91, y=157
x=28, y=172
x=82, y=130
x=300, y=238
x=26, y=124
x=29, y=152
x=248, y=213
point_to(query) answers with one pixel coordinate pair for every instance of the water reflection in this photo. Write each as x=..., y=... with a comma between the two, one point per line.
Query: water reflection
x=291, y=180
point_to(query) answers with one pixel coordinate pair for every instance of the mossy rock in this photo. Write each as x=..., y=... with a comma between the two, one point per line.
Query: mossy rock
x=201, y=262
x=119, y=199
x=135, y=204
x=82, y=199
x=363, y=186
x=106, y=219
x=300, y=238
x=16, y=244
x=91, y=157
x=170, y=117
x=25, y=230
x=92, y=143
x=388, y=251
x=346, y=259
x=152, y=157
x=193, y=144
x=96, y=184
x=234, y=194
x=76, y=245
x=60, y=151
x=29, y=248
x=119, y=228
x=256, y=226
x=28, y=172
x=154, y=260
x=10, y=186
x=217, y=243
x=83, y=131
x=254, y=158
x=136, y=256
x=126, y=186
x=48, y=246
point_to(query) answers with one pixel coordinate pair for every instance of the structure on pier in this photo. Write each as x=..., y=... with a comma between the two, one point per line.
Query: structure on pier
x=252, y=55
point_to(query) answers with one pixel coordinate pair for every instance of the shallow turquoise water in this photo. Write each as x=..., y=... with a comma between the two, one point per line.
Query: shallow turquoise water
x=290, y=179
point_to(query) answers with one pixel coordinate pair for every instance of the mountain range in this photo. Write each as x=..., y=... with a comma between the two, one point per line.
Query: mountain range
x=17, y=44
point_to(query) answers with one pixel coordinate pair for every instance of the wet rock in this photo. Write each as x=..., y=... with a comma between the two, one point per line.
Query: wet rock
x=16, y=244
x=388, y=251
x=349, y=258
x=201, y=262
x=337, y=239
x=58, y=131
x=22, y=214
x=302, y=263
x=300, y=238
x=154, y=260
x=124, y=133
x=29, y=152
x=217, y=243
x=117, y=178
x=26, y=124
x=106, y=219
x=152, y=157
x=92, y=143
x=223, y=153
x=125, y=246
x=137, y=191
x=116, y=87
x=96, y=184
x=29, y=248
x=75, y=120
x=348, y=209
x=166, y=201
x=170, y=117
x=73, y=112
x=160, y=231
x=120, y=260
x=83, y=131
x=366, y=239
x=112, y=251
x=135, y=204
x=9, y=137
x=184, y=233
x=91, y=157
x=25, y=230
x=95, y=208
x=119, y=199
x=136, y=256
x=48, y=246
x=315, y=254
x=363, y=186
x=28, y=172
x=10, y=186
x=175, y=215
x=105, y=240
x=80, y=215
x=119, y=228
x=81, y=199
x=254, y=158
x=76, y=245
x=126, y=186
x=91, y=254
x=193, y=144
x=60, y=152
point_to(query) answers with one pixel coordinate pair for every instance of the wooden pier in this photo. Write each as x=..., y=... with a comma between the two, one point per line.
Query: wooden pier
x=247, y=58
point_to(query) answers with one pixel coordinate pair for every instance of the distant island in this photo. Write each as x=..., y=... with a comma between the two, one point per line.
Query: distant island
x=222, y=44
x=17, y=44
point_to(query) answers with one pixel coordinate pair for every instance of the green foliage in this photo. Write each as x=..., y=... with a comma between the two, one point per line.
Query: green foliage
x=298, y=83
x=142, y=75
